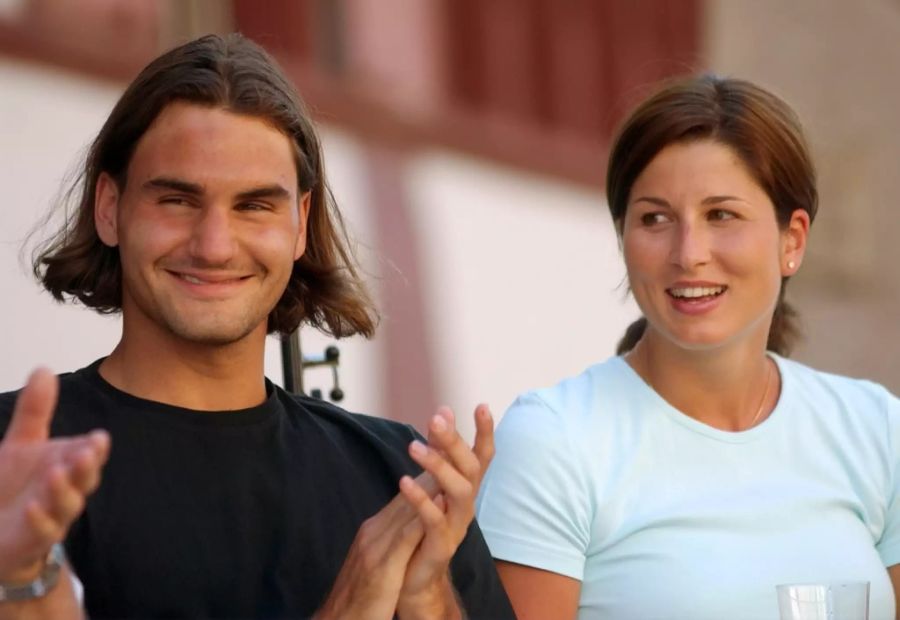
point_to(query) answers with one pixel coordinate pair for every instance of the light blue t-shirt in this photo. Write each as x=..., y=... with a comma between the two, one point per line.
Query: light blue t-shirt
x=662, y=516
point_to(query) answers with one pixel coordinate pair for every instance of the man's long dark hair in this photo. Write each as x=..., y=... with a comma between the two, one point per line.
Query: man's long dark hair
x=231, y=73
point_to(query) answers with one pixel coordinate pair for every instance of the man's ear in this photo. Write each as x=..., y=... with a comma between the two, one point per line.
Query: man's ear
x=106, y=210
x=305, y=201
x=793, y=242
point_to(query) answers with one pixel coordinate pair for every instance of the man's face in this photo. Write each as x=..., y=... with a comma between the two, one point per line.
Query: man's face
x=208, y=226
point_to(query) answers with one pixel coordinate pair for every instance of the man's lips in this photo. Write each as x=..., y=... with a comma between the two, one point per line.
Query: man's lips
x=208, y=278
x=209, y=284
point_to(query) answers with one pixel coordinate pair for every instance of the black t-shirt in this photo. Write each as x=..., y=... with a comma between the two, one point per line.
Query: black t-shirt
x=237, y=514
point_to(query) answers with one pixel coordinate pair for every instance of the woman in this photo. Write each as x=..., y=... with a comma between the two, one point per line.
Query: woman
x=689, y=475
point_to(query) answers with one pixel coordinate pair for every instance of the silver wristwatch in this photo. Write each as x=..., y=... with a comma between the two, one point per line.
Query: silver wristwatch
x=40, y=586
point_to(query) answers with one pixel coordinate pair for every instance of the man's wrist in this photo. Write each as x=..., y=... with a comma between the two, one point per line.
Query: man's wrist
x=438, y=601
x=26, y=584
x=24, y=574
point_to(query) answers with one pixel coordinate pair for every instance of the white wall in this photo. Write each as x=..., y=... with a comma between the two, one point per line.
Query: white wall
x=47, y=118
x=523, y=279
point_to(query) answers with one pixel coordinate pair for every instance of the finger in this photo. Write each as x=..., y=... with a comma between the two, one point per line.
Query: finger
x=459, y=492
x=431, y=515
x=440, y=502
x=484, y=436
x=101, y=442
x=86, y=455
x=64, y=501
x=438, y=540
x=34, y=407
x=427, y=482
x=45, y=527
x=403, y=538
x=411, y=535
x=84, y=470
x=446, y=439
x=383, y=529
x=446, y=413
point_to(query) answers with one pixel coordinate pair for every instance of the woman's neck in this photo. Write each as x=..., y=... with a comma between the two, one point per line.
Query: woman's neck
x=729, y=388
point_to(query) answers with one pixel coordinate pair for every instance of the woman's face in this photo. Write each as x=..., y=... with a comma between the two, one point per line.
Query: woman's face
x=703, y=249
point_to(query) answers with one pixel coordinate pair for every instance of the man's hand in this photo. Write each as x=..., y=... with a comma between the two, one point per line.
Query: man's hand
x=43, y=482
x=370, y=579
x=399, y=560
x=427, y=591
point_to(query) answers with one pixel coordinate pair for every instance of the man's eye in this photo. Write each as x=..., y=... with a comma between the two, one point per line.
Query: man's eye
x=253, y=206
x=174, y=200
x=649, y=219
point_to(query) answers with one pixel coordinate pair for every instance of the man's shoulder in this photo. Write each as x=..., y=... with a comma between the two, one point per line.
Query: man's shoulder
x=73, y=389
x=333, y=416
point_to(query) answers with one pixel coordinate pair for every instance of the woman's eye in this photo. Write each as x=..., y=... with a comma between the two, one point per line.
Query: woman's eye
x=649, y=219
x=720, y=215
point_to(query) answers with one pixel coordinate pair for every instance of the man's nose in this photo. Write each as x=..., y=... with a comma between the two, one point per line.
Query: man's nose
x=212, y=238
x=691, y=247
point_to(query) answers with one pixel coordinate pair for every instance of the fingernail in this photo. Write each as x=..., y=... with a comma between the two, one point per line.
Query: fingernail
x=418, y=448
x=438, y=423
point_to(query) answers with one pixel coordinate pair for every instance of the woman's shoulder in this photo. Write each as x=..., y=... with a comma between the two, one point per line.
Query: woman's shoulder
x=827, y=389
x=576, y=398
x=809, y=378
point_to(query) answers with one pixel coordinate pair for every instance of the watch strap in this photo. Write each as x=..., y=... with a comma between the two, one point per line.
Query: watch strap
x=42, y=584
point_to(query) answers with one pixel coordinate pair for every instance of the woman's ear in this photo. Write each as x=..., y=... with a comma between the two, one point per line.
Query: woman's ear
x=106, y=208
x=793, y=242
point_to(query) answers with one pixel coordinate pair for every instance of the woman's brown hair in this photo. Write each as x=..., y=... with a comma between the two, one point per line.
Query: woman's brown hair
x=758, y=126
x=231, y=72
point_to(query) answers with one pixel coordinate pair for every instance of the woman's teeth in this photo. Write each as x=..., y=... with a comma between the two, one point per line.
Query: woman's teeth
x=696, y=292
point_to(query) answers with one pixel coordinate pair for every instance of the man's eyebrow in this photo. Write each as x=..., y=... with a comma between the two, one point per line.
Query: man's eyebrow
x=267, y=191
x=177, y=185
x=195, y=189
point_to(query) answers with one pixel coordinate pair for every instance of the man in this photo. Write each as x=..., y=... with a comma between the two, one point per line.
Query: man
x=206, y=220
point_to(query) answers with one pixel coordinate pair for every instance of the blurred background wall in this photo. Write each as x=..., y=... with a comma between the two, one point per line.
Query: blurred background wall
x=465, y=142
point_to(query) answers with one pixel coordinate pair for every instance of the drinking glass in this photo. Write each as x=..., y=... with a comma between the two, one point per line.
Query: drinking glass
x=824, y=601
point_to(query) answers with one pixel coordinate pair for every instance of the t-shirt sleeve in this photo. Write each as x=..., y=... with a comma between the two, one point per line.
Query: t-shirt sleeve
x=534, y=506
x=7, y=404
x=476, y=580
x=889, y=544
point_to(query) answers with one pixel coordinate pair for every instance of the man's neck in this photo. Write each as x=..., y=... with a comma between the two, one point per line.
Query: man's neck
x=192, y=375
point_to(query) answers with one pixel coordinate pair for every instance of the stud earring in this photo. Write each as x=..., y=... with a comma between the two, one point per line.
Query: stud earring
x=791, y=264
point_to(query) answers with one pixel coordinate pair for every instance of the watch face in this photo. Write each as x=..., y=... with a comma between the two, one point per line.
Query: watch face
x=40, y=586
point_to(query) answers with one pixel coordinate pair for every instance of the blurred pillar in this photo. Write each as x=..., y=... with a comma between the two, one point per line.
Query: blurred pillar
x=409, y=376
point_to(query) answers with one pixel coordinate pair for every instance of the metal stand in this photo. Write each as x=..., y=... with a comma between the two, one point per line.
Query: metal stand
x=294, y=364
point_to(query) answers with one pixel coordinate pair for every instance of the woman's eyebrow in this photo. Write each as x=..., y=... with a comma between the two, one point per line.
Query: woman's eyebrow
x=653, y=200
x=714, y=200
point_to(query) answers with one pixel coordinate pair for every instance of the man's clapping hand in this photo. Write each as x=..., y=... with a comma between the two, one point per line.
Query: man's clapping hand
x=399, y=561
x=43, y=482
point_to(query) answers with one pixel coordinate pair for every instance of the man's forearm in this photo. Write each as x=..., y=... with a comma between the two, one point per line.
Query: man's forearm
x=441, y=602
x=59, y=603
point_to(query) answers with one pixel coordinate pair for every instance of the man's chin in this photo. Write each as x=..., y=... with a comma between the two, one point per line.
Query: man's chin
x=211, y=334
